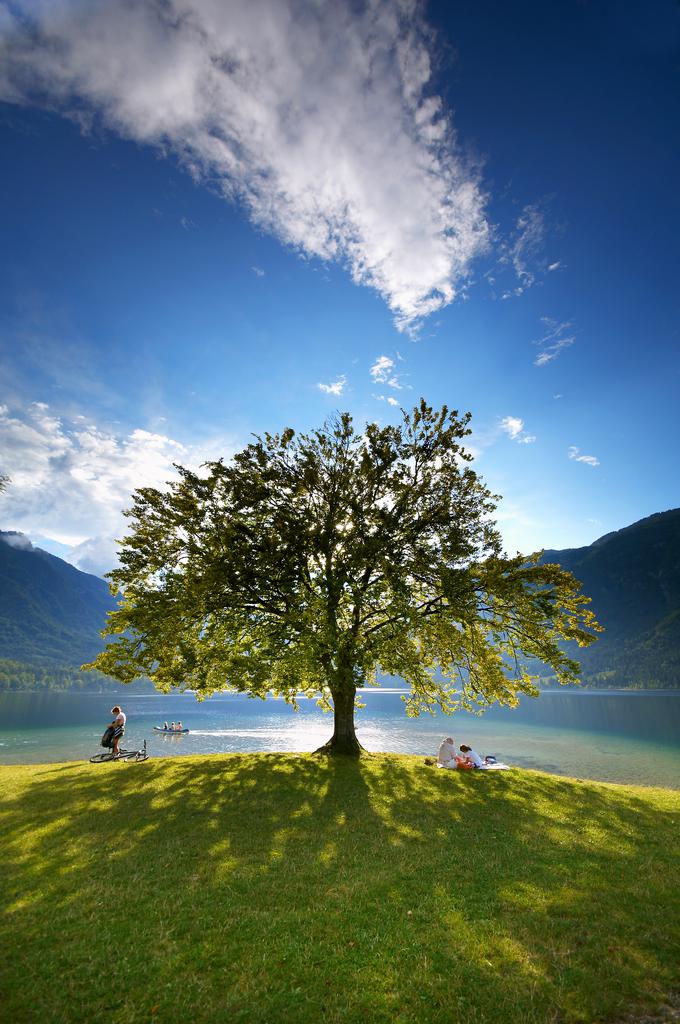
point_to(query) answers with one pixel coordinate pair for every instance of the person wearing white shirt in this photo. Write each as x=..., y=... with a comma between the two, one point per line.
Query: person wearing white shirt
x=471, y=756
x=446, y=756
x=118, y=726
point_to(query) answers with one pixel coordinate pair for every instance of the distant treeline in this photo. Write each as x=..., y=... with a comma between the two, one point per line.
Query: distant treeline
x=647, y=662
x=613, y=680
x=18, y=675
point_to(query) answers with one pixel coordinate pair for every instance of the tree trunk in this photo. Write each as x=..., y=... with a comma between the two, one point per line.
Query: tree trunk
x=344, y=739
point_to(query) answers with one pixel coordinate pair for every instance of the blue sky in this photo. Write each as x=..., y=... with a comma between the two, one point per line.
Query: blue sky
x=261, y=212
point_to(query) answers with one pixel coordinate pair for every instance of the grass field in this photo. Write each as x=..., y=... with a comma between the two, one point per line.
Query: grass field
x=299, y=889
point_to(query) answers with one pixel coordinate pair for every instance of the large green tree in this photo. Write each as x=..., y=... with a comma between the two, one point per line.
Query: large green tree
x=308, y=563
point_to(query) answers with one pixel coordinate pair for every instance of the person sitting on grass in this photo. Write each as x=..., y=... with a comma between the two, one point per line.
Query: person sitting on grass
x=470, y=759
x=446, y=756
x=118, y=726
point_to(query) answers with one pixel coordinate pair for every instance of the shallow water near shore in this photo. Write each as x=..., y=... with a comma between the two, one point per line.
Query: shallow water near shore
x=626, y=737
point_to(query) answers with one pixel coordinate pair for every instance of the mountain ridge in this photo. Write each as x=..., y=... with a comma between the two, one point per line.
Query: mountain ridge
x=51, y=613
x=48, y=609
x=632, y=576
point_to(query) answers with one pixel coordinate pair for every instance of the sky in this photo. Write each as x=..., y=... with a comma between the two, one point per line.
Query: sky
x=224, y=218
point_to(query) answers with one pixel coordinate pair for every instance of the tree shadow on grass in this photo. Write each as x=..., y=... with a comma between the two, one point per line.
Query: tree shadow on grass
x=296, y=888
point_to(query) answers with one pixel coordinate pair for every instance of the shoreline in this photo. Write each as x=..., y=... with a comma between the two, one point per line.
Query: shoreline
x=585, y=690
x=598, y=736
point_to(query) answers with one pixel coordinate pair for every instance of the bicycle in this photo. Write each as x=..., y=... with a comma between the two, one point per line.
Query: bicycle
x=135, y=756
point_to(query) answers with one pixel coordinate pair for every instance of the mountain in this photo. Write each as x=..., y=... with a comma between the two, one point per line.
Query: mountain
x=51, y=613
x=49, y=610
x=633, y=579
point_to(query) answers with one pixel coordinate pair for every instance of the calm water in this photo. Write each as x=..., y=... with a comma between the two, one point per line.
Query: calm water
x=617, y=737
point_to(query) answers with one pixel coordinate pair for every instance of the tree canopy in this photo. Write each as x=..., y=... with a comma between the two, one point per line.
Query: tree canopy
x=309, y=563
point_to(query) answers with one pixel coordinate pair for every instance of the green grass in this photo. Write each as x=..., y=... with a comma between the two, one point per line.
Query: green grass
x=299, y=889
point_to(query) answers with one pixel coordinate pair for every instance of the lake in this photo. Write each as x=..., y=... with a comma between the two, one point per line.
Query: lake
x=628, y=737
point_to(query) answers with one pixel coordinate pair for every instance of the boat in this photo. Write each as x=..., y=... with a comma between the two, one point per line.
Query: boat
x=169, y=732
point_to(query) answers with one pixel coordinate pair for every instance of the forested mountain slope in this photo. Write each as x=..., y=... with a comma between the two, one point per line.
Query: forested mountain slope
x=50, y=612
x=633, y=578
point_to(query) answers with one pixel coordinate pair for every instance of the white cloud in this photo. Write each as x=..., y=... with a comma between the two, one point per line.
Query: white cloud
x=336, y=388
x=527, y=244
x=317, y=117
x=381, y=369
x=590, y=460
x=70, y=479
x=514, y=428
x=555, y=339
x=382, y=373
x=97, y=555
x=16, y=540
x=543, y=358
x=258, y=271
x=523, y=252
x=392, y=401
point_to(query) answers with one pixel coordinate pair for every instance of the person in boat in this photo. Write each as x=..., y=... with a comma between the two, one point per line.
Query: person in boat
x=118, y=726
x=446, y=755
x=179, y=727
x=165, y=725
x=471, y=758
x=172, y=727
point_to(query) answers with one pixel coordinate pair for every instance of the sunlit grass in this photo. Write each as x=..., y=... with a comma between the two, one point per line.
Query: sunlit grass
x=290, y=888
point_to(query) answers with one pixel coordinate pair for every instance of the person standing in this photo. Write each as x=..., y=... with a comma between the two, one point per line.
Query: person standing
x=118, y=726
